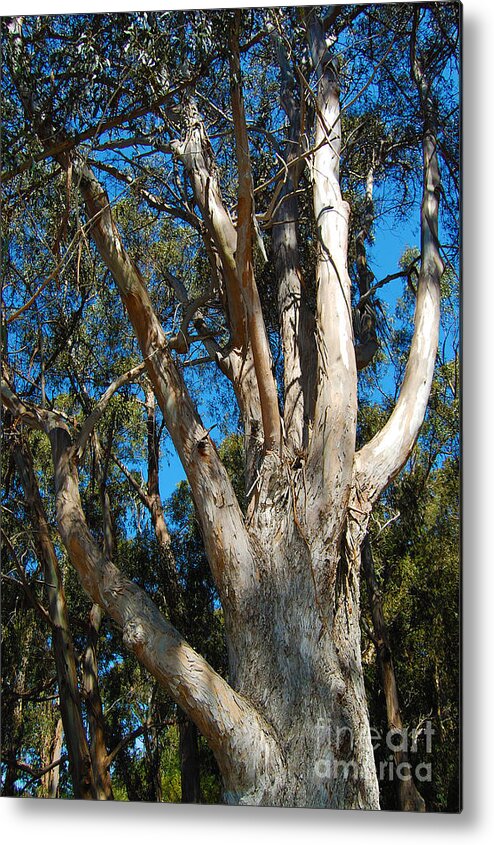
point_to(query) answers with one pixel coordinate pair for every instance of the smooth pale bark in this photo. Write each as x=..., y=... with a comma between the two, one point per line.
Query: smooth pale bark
x=379, y=461
x=333, y=437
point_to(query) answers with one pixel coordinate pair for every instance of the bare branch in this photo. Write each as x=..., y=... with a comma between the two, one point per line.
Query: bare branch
x=36, y=604
x=382, y=458
x=243, y=256
x=154, y=201
x=37, y=774
x=335, y=417
x=94, y=417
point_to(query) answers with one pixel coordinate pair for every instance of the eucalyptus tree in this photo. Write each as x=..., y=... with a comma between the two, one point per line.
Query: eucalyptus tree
x=240, y=138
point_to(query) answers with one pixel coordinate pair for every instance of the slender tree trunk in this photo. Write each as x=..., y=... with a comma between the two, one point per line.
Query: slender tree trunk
x=151, y=742
x=94, y=708
x=153, y=501
x=408, y=795
x=63, y=648
x=190, y=772
x=51, y=780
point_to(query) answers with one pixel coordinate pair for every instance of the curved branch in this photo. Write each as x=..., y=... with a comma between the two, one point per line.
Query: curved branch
x=37, y=774
x=99, y=409
x=379, y=461
x=230, y=723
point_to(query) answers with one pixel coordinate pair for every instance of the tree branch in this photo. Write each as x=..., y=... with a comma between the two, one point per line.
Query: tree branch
x=364, y=315
x=62, y=643
x=156, y=202
x=36, y=604
x=243, y=256
x=220, y=239
x=99, y=409
x=196, y=154
x=296, y=320
x=224, y=717
x=37, y=774
x=379, y=461
x=333, y=439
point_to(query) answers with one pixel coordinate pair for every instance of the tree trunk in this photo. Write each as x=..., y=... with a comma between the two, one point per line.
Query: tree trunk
x=291, y=728
x=51, y=780
x=189, y=762
x=304, y=674
x=294, y=651
x=16, y=728
x=94, y=708
x=63, y=647
x=409, y=798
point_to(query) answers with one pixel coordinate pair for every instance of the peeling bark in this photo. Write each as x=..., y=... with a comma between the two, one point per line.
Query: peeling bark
x=296, y=319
